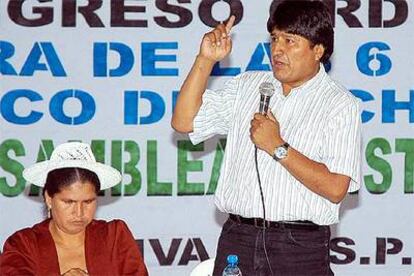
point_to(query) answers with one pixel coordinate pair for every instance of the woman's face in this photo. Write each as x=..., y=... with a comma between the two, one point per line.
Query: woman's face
x=74, y=207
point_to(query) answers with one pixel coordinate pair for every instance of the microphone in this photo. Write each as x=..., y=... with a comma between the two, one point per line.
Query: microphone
x=266, y=91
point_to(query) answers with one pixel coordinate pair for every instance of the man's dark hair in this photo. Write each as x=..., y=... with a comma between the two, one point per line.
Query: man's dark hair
x=58, y=179
x=310, y=19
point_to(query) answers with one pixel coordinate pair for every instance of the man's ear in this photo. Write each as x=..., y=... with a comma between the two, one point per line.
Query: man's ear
x=319, y=50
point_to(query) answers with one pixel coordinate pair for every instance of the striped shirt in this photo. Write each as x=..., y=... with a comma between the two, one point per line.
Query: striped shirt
x=320, y=119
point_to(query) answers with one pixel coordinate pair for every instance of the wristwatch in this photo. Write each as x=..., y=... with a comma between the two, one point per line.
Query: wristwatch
x=281, y=152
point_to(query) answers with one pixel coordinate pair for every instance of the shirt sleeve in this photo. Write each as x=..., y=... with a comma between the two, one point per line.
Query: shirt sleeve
x=18, y=257
x=216, y=112
x=342, y=145
x=127, y=252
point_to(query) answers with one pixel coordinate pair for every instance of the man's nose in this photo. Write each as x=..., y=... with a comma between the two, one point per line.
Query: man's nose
x=277, y=47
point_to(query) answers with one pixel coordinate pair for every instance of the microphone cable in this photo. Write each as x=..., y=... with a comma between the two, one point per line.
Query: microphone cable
x=264, y=209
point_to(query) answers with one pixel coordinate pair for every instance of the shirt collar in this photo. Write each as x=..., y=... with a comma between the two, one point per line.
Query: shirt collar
x=306, y=87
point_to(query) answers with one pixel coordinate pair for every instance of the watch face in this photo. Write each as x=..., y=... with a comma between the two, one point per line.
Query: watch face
x=281, y=152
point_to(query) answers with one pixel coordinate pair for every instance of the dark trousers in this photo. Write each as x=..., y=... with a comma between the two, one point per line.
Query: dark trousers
x=293, y=252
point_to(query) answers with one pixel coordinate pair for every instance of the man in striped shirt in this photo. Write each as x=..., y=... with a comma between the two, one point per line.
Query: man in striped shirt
x=282, y=197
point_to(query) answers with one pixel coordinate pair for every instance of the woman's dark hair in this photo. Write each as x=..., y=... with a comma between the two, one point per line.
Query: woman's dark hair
x=60, y=178
x=310, y=19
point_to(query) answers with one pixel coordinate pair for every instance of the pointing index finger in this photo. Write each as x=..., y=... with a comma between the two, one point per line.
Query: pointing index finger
x=230, y=23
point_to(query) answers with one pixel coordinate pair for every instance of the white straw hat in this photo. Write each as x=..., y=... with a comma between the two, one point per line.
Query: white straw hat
x=72, y=155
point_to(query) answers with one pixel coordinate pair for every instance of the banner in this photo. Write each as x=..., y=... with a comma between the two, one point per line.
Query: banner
x=108, y=73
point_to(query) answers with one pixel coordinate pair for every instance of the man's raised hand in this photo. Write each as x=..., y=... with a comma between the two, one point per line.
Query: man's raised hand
x=217, y=44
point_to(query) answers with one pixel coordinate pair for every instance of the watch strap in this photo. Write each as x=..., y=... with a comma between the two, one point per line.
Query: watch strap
x=285, y=146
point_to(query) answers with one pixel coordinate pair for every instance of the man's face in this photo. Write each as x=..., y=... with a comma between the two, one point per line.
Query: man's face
x=294, y=59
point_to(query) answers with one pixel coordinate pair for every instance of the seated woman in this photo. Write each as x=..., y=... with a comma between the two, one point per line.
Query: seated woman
x=71, y=241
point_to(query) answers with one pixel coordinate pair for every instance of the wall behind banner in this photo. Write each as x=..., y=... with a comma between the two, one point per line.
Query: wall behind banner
x=107, y=73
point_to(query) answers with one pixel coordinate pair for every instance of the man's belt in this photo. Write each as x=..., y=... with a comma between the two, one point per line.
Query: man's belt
x=260, y=223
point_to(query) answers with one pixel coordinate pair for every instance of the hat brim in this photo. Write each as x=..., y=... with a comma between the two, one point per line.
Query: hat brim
x=37, y=173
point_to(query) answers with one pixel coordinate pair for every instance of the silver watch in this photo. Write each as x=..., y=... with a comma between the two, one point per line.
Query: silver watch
x=281, y=152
